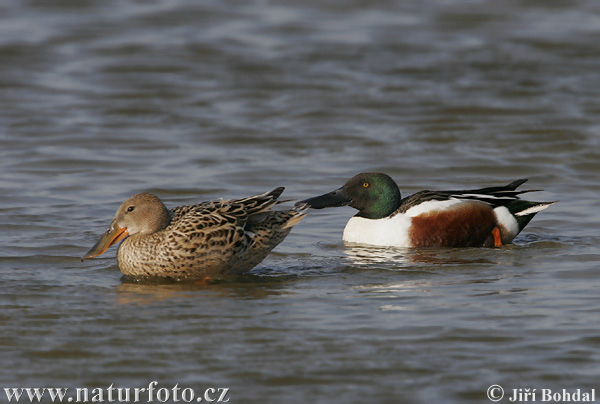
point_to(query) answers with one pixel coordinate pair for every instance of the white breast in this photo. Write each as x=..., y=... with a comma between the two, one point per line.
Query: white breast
x=507, y=220
x=392, y=232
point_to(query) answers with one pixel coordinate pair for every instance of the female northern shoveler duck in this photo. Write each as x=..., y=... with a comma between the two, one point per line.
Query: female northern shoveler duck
x=196, y=241
x=486, y=217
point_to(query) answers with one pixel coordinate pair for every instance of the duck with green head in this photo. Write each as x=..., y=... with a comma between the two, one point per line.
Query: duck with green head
x=489, y=217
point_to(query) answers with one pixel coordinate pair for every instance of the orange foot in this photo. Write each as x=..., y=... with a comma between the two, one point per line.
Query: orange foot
x=497, y=237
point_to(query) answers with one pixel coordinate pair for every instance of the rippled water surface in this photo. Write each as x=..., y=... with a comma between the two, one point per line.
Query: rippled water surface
x=200, y=100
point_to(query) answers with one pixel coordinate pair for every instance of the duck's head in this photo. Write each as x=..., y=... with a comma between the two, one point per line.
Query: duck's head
x=375, y=195
x=142, y=213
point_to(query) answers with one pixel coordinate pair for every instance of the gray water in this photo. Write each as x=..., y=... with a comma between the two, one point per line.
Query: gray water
x=199, y=100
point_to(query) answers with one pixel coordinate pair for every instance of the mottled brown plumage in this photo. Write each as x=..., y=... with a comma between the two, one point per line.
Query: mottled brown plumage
x=195, y=241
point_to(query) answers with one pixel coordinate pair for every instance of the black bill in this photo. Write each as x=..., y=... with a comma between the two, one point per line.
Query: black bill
x=330, y=200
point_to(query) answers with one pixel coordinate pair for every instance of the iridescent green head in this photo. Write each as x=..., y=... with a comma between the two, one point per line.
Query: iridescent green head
x=375, y=195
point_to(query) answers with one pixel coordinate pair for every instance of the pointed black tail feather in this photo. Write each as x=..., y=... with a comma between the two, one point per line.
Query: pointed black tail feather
x=516, y=184
x=506, y=189
x=496, y=196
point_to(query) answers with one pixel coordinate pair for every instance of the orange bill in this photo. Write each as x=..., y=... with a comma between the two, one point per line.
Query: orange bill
x=113, y=235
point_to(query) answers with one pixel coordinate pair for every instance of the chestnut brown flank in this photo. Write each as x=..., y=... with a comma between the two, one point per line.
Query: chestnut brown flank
x=467, y=225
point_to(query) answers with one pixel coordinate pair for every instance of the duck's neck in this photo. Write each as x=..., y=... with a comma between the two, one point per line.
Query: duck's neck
x=383, y=206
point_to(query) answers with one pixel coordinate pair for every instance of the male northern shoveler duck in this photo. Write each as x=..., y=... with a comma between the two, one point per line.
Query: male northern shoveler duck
x=196, y=241
x=486, y=217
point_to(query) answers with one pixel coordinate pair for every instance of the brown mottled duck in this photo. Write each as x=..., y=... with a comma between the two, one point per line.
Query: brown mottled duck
x=207, y=239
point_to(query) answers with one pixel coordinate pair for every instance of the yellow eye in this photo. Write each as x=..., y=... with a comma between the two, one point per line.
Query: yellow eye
x=365, y=184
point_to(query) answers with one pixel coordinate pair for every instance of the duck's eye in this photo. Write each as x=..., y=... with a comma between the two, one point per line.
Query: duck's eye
x=365, y=184
x=130, y=209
